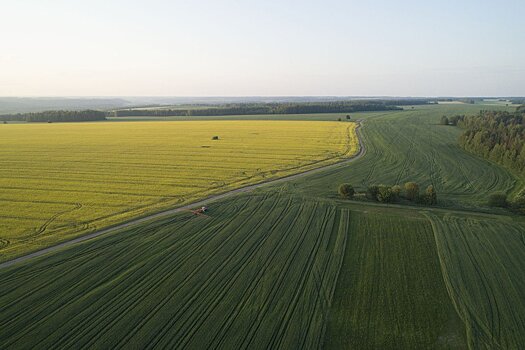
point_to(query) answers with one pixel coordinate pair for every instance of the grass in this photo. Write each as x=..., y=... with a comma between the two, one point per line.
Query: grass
x=61, y=180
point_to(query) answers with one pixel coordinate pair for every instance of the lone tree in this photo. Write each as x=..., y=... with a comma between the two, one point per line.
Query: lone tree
x=346, y=191
x=348, y=117
x=444, y=120
x=431, y=195
x=412, y=191
x=498, y=199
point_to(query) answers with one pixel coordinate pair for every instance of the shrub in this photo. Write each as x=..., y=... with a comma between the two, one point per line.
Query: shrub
x=498, y=199
x=385, y=194
x=431, y=195
x=454, y=120
x=444, y=120
x=519, y=201
x=372, y=192
x=412, y=191
x=396, y=192
x=346, y=191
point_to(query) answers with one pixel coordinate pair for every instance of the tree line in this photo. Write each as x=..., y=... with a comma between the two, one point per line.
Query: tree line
x=56, y=116
x=392, y=194
x=498, y=136
x=349, y=106
x=517, y=101
x=274, y=108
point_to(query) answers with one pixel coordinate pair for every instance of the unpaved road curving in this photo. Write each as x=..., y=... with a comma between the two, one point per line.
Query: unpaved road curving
x=362, y=151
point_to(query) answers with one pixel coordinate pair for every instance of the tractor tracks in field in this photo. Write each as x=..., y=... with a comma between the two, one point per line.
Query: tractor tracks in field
x=487, y=330
x=360, y=153
x=49, y=221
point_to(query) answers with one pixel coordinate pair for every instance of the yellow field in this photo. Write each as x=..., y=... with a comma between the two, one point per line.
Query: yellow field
x=61, y=180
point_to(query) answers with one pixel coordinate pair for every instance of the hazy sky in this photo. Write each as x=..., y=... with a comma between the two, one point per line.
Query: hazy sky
x=266, y=47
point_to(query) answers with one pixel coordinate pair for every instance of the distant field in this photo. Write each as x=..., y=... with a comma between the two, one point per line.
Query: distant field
x=58, y=180
x=411, y=146
x=299, y=117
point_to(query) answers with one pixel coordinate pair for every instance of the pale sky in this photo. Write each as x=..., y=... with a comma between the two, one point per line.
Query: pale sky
x=263, y=48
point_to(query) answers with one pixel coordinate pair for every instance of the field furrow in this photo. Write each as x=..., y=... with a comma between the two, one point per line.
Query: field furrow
x=483, y=263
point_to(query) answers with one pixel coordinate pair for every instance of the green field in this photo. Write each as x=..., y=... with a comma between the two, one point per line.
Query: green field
x=483, y=260
x=297, y=117
x=293, y=266
x=243, y=278
x=259, y=273
x=390, y=294
x=412, y=146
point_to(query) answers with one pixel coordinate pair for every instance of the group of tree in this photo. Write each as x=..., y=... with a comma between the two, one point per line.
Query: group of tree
x=470, y=100
x=393, y=194
x=410, y=102
x=271, y=108
x=56, y=116
x=454, y=120
x=501, y=200
x=498, y=136
x=517, y=100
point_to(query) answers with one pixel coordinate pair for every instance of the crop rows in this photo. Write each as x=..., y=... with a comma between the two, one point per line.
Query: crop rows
x=390, y=294
x=483, y=262
x=263, y=271
x=259, y=273
x=60, y=180
x=412, y=146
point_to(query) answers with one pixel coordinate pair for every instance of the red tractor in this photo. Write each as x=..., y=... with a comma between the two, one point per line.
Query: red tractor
x=201, y=211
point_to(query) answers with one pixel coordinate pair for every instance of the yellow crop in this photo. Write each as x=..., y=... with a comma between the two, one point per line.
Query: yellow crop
x=61, y=180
